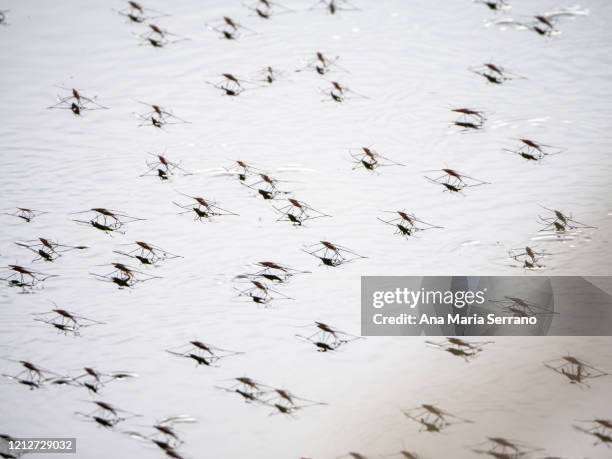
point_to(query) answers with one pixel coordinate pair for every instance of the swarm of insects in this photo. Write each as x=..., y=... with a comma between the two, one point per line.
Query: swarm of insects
x=560, y=222
x=406, y=224
x=261, y=293
x=64, y=321
x=599, y=429
x=334, y=6
x=76, y=102
x=528, y=257
x=273, y=272
x=229, y=29
x=458, y=347
x=433, y=419
x=108, y=221
x=107, y=415
x=338, y=92
x=532, y=150
x=469, y=118
x=124, y=276
x=138, y=14
x=327, y=338
x=454, y=181
x=576, y=370
x=494, y=73
x=298, y=212
x=146, y=254
x=158, y=117
x=266, y=186
x=94, y=380
x=47, y=250
x=500, y=447
x=32, y=375
x=202, y=208
x=322, y=64
x=25, y=278
x=23, y=213
x=163, y=168
x=370, y=160
x=265, y=9
x=522, y=308
x=331, y=254
x=202, y=353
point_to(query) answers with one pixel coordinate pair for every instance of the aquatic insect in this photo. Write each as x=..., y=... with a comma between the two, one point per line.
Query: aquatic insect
x=65, y=321
x=158, y=37
x=202, y=208
x=494, y=73
x=334, y=6
x=560, y=222
x=545, y=24
x=529, y=257
x=107, y=220
x=432, y=418
x=322, y=64
x=532, y=150
x=229, y=29
x=249, y=389
x=202, y=353
x=469, y=119
x=327, y=338
x=94, y=380
x=269, y=75
x=25, y=278
x=163, y=168
x=495, y=5
x=124, y=276
x=24, y=213
x=165, y=435
x=230, y=85
x=32, y=375
x=370, y=159
x=298, y=212
x=273, y=272
x=147, y=254
x=600, y=429
x=503, y=448
x=408, y=224
x=138, y=14
x=574, y=369
x=76, y=102
x=158, y=117
x=284, y=402
x=522, y=308
x=460, y=347
x=107, y=415
x=242, y=169
x=266, y=186
x=47, y=250
x=261, y=293
x=331, y=254
x=3, y=17
x=339, y=93
x=454, y=181
x=265, y=9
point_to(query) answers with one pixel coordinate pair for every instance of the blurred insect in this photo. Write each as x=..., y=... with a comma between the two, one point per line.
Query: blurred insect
x=469, y=119
x=322, y=64
x=561, y=222
x=339, y=93
x=460, y=347
x=3, y=17
x=230, y=85
x=269, y=75
x=147, y=254
x=23, y=213
x=331, y=254
x=404, y=454
x=249, y=389
x=284, y=402
x=265, y=9
x=266, y=186
x=163, y=168
x=261, y=293
x=528, y=257
x=76, y=102
x=32, y=376
x=601, y=429
x=124, y=276
x=109, y=221
x=165, y=435
x=107, y=415
x=545, y=24
x=158, y=117
x=243, y=169
x=229, y=29
x=522, y=308
x=327, y=338
x=534, y=151
x=25, y=278
x=47, y=250
x=370, y=159
x=454, y=181
x=158, y=37
x=407, y=224
x=432, y=418
x=494, y=73
x=334, y=6
x=94, y=380
x=64, y=321
x=273, y=272
x=136, y=13
x=298, y=212
x=574, y=369
x=202, y=353
x=502, y=448
x=495, y=5
x=202, y=208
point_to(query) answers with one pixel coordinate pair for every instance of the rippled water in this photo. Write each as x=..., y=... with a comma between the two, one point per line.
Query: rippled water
x=411, y=59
